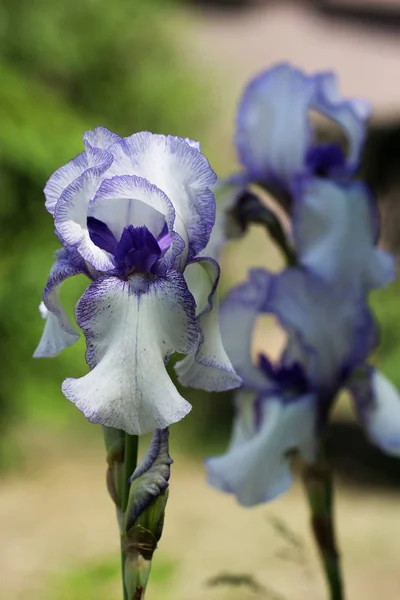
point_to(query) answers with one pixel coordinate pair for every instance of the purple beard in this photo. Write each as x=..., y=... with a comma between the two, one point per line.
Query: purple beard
x=137, y=250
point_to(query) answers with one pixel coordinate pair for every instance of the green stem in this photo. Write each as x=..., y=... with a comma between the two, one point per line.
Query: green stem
x=130, y=462
x=123, y=558
x=318, y=483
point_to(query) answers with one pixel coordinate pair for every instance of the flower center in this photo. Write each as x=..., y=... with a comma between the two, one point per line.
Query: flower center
x=137, y=250
x=289, y=378
x=323, y=158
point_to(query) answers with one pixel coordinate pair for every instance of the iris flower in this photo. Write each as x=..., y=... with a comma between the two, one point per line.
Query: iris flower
x=283, y=408
x=275, y=138
x=133, y=215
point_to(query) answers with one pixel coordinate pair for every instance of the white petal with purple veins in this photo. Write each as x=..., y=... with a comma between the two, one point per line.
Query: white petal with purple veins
x=58, y=331
x=334, y=229
x=70, y=219
x=54, y=338
x=180, y=171
x=209, y=368
x=64, y=176
x=100, y=137
x=131, y=328
x=256, y=468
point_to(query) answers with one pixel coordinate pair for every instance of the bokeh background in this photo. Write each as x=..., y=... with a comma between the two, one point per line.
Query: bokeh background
x=178, y=68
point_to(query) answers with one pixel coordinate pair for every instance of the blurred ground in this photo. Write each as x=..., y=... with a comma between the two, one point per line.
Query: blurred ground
x=58, y=520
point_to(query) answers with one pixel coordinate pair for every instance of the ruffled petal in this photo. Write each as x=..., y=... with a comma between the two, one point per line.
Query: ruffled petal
x=351, y=115
x=71, y=214
x=209, y=368
x=131, y=329
x=256, y=468
x=59, y=332
x=273, y=131
x=377, y=404
x=95, y=158
x=334, y=227
x=130, y=200
x=329, y=333
x=238, y=315
x=180, y=171
x=100, y=137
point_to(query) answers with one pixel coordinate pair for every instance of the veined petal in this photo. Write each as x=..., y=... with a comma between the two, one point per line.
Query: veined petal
x=70, y=218
x=100, y=137
x=334, y=227
x=256, y=468
x=130, y=200
x=377, y=404
x=351, y=115
x=95, y=158
x=209, y=368
x=329, y=333
x=54, y=339
x=131, y=329
x=180, y=171
x=193, y=143
x=238, y=315
x=273, y=131
x=58, y=331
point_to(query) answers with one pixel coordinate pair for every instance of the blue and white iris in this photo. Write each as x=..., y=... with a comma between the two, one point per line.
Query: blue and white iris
x=134, y=214
x=321, y=302
x=276, y=142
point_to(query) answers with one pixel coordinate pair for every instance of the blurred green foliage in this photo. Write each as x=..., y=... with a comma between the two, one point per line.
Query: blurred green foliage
x=66, y=67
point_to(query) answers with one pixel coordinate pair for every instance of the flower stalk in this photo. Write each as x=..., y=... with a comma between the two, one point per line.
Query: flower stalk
x=318, y=483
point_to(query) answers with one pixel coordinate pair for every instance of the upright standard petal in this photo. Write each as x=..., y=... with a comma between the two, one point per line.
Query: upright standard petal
x=181, y=171
x=334, y=228
x=58, y=331
x=256, y=468
x=209, y=368
x=92, y=157
x=238, y=316
x=131, y=200
x=377, y=404
x=329, y=333
x=351, y=115
x=131, y=328
x=100, y=137
x=71, y=215
x=273, y=131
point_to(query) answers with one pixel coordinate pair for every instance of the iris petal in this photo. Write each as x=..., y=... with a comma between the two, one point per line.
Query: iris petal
x=209, y=367
x=131, y=329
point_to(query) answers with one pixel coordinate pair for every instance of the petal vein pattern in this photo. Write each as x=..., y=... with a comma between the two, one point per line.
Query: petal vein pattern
x=131, y=328
x=180, y=171
x=209, y=368
x=59, y=333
